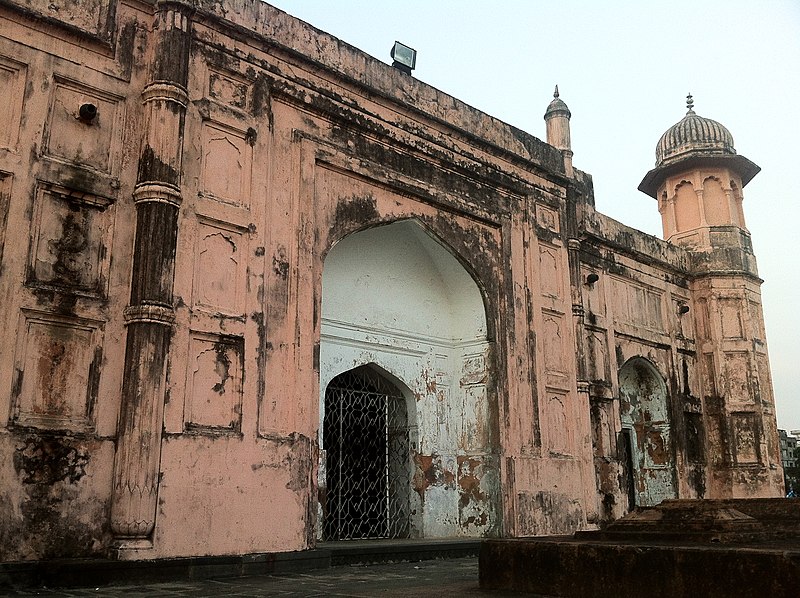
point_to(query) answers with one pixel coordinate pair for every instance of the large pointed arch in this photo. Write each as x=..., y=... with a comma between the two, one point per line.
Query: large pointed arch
x=396, y=297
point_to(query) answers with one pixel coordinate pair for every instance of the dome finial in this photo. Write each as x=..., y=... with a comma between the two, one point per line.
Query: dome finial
x=689, y=104
x=555, y=93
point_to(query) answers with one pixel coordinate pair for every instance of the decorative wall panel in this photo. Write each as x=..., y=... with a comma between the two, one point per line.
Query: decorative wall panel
x=70, y=240
x=550, y=273
x=12, y=84
x=92, y=143
x=547, y=218
x=637, y=305
x=730, y=312
x=597, y=353
x=5, y=197
x=553, y=345
x=227, y=164
x=737, y=377
x=219, y=269
x=745, y=438
x=214, y=383
x=756, y=322
x=228, y=89
x=558, y=432
x=57, y=370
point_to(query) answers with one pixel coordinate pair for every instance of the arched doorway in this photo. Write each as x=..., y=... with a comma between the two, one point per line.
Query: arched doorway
x=368, y=458
x=645, y=445
x=396, y=300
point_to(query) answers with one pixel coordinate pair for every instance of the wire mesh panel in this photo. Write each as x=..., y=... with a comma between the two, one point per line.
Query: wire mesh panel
x=365, y=434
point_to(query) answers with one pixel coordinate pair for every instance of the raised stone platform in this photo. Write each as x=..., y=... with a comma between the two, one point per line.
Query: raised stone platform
x=703, y=548
x=68, y=573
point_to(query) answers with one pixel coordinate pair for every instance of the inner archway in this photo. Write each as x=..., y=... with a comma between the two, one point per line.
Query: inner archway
x=396, y=299
x=368, y=460
x=645, y=444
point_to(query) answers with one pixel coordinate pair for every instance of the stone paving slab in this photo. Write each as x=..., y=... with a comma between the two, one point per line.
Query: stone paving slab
x=438, y=578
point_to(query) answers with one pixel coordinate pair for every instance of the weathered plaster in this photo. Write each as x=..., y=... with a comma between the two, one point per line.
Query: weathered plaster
x=169, y=272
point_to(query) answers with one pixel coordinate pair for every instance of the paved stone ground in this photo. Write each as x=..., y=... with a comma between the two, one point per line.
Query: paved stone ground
x=438, y=578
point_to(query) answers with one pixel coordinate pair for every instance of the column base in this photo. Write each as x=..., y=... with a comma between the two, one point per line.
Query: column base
x=132, y=549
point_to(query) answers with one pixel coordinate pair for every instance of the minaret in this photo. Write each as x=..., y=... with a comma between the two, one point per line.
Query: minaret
x=698, y=182
x=557, y=118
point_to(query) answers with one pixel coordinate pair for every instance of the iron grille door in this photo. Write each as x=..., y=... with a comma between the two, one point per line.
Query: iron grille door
x=365, y=434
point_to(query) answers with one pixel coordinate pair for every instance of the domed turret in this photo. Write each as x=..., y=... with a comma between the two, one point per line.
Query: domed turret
x=692, y=141
x=557, y=118
x=698, y=179
x=557, y=107
x=692, y=134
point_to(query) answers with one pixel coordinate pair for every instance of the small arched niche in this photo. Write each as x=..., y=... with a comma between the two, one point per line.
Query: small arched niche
x=715, y=203
x=687, y=208
x=395, y=297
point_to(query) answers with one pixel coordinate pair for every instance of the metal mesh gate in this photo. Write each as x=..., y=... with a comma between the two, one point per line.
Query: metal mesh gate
x=365, y=434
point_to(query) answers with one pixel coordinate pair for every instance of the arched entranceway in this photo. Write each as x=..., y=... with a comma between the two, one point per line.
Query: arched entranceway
x=368, y=458
x=645, y=445
x=396, y=300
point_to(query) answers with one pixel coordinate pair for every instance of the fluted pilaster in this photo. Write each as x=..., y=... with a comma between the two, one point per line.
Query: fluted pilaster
x=150, y=315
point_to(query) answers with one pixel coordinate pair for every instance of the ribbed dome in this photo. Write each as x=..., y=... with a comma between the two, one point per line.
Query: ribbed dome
x=693, y=134
x=695, y=142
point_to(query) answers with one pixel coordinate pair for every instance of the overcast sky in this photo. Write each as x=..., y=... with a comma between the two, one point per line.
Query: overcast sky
x=624, y=69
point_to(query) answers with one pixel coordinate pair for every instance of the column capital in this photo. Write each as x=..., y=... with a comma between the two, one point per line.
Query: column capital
x=157, y=193
x=149, y=313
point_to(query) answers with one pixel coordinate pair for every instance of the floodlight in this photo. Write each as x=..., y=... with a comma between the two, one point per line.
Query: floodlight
x=405, y=58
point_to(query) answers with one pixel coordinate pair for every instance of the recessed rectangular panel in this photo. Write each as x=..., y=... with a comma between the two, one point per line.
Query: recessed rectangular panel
x=558, y=432
x=553, y=336
x=226, y=164
x=220, y=269
x=637, y=305
x=5, y=197
x=550, y=271
x=214, y=383
x=12, y=84
x=746, y=438
x=474, y=431
x=594, y=300
x=70, y=244
x=547, y=218
x=57, y=367
x=597, y=355
x=764, y=379
x=757, y=322
x=731, y=315
x=737, y=377
x=228, y=89
x=86, y=142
